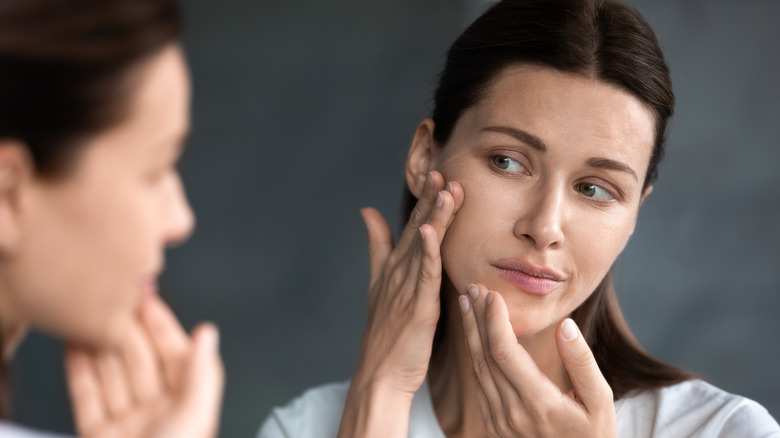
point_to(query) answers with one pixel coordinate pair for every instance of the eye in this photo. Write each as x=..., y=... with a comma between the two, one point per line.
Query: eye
x=507, y=164
x=595, y=192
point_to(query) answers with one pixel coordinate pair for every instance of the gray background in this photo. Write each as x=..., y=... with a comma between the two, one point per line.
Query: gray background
x=303, y=113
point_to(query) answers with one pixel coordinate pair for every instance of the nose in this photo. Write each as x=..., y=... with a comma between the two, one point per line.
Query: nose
x=541, y=220
x=179, y=218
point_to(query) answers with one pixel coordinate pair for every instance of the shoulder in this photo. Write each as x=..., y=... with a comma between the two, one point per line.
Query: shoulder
x=8, y=430
x=315, y=413
x=693, y=409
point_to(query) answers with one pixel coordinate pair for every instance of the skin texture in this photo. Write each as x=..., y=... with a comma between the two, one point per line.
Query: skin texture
x=561, y=210
x=80, y=259
x=535, y=212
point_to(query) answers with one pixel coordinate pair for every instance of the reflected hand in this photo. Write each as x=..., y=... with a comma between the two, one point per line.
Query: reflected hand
x=516, y=399
x=159, y=382
x=403, y=308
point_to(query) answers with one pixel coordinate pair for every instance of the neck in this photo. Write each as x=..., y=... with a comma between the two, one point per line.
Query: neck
x=451, y=380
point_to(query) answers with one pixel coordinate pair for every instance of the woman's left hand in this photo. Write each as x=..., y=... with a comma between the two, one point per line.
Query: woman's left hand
x=516, y=399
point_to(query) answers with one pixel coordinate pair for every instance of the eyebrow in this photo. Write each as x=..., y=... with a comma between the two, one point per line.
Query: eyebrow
x=527, y=138
x=537, y=143
x=606, y=163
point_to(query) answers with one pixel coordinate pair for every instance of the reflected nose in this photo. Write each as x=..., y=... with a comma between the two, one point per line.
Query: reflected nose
x=541, y=221
x=179, y=218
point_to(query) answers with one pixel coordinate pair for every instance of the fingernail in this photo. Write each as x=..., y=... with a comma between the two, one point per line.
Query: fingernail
x=430, y=179
x=449, y=187
x=489, y=298
x=422, y=234
x=463, y=301
x=569, y=330
x=439, y=200
x=210, y=336
x=473, y=291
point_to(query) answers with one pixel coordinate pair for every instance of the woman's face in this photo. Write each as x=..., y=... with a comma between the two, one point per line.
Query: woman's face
x=92, y=244
x=552, y=167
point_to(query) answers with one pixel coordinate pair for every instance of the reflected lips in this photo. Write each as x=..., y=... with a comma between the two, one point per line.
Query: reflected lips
x=528, y=277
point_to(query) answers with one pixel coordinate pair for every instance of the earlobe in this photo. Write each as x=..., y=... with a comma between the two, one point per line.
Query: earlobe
x=13, y=166
x=421, y=158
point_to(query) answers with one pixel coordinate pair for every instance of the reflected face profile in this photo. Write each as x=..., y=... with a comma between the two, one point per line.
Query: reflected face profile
x=552, y=166
x=93, y=241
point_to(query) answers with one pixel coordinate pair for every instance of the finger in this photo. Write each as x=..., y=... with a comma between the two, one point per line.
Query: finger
x=589, y=384
x=84, y=390
x=511, y=358
x=444, y=209
x=429, y=277
x=458, y=196
x=513, y=413
x=113, y=381
x=140, y=360
x=419, y=265
x=479, y=364
x=425, y=257
x=427, y=201
x=380, y=240
x=170, y=342
x=204, y=383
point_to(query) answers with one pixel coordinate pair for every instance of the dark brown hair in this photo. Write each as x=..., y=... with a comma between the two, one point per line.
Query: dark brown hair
x=65, y=73
x=599, y=39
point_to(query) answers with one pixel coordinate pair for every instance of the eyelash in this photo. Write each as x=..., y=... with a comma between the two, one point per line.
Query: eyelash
x=496, y=158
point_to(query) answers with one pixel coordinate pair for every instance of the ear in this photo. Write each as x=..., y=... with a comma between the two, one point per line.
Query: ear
x=422, y=156
x=15, y=165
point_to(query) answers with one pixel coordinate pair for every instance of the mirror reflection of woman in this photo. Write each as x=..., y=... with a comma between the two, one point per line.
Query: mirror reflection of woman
x=495, y=314
x=94, y=111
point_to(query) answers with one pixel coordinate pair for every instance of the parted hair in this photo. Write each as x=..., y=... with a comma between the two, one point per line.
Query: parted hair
x=600, y=39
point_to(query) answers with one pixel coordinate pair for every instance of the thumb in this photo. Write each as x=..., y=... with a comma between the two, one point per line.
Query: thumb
x=380, y=239
x=204, y=382
x=590, y=386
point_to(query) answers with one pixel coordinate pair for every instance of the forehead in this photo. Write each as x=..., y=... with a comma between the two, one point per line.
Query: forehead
x=158, y=116
x=160, y=105
x=566, y=110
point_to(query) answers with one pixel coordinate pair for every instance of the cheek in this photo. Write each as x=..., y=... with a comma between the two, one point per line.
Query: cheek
x=470, y=240
x=95, y=249
x=594, y=245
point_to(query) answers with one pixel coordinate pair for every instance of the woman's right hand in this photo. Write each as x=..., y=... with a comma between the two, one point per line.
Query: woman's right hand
x=403, y=311
x=158, y=383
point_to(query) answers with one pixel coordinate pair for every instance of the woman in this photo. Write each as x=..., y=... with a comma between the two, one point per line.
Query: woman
x=94, y=109
x=495, y=315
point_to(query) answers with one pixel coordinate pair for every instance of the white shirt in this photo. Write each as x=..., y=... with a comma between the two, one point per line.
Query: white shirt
x=689, y=409
x=8, y=430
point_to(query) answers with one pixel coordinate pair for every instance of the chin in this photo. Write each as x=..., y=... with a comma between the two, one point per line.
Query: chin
x=523, y=327
x=528, y=318
x=101, y=333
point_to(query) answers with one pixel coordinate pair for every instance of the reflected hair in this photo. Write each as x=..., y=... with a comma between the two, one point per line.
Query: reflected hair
x=67, y=70
x=599, y=39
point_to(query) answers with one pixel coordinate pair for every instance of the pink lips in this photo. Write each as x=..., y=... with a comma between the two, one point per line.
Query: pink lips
x=528, y=277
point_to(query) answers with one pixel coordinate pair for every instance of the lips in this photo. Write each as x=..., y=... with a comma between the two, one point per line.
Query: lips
x=535, y=280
